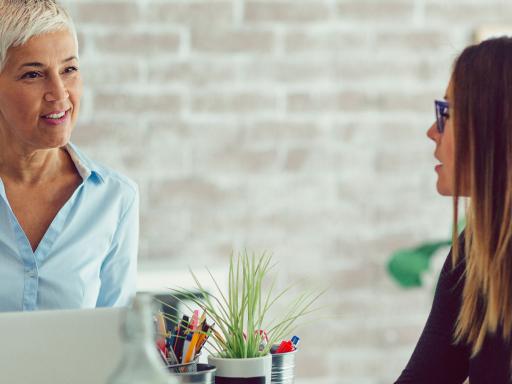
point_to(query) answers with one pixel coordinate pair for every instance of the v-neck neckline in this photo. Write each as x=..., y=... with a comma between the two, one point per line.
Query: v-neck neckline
x=54, y=229
x=56, y=225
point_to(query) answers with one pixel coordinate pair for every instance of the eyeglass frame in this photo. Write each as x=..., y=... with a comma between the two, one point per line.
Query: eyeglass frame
x=442, y=107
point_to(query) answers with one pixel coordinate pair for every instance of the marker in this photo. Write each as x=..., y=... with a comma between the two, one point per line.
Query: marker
x=191, y=349
x=295, y=341
x=285, y=347
x=180, y=337
x=172, y=339
x=202, y=338
x=186, y=347
x=195, y=320
x=202, y=320
x=183, y=323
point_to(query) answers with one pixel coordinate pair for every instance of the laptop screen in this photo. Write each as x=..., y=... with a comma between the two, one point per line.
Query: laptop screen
x=61, y=346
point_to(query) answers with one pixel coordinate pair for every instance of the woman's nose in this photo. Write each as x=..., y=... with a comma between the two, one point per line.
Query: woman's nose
x=432, y=132
x=56, y=90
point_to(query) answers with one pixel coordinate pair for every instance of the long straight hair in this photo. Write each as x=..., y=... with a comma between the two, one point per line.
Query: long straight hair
x=482, y=113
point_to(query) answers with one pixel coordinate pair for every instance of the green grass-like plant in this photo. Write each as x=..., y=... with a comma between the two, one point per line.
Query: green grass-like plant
x=240, y=313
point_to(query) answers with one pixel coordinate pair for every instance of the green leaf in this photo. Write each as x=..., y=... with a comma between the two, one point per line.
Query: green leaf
x=407, y=265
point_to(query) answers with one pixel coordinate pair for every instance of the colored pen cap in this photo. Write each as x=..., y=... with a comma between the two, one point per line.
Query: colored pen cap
x=295, y=340
x=195, y=320
x=285, y=347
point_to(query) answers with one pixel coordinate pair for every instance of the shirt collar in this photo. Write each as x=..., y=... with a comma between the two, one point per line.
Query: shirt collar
x=84, y=166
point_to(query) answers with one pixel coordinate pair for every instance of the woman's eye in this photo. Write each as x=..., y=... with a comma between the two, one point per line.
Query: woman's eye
x=71, y=70
x=30, y=75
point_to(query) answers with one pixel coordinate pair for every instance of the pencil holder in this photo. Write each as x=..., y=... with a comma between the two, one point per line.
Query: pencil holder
x=203, y=374
x=283, y=368
x=183, y=368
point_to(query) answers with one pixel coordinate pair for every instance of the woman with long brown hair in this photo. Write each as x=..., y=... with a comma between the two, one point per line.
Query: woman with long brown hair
x=468, y=331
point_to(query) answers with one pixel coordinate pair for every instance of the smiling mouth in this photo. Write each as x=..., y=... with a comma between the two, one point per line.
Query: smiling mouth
x=56, y=118
x=57, y=115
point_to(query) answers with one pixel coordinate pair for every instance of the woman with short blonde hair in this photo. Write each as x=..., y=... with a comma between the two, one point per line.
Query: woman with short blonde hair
x=68, y=225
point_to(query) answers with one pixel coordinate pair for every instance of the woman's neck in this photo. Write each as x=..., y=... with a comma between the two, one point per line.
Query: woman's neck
x=31, y=167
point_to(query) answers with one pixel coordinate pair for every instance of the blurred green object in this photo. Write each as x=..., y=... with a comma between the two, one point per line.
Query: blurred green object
x=407, y=265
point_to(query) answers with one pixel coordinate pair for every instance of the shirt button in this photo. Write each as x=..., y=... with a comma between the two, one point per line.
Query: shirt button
x=32, y=273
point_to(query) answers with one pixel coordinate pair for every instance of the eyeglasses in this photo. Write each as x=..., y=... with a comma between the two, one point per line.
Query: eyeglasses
x=441, y=114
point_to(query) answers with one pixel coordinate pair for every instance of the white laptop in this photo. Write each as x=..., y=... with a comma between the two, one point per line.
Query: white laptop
x=60, y=347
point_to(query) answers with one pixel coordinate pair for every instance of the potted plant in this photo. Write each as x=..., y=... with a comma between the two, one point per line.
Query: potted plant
x=240, y=346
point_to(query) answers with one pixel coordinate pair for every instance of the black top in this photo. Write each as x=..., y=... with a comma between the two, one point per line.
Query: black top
x=437, y=360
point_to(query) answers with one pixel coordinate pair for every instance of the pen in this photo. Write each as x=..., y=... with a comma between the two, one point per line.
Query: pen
x=191, y=348
x=186, y=347
x=203, y=338
x=171, y=340
x=295, y=341
x=180, y=337
x=180, y=328
x=202, y=320
x=195, y=319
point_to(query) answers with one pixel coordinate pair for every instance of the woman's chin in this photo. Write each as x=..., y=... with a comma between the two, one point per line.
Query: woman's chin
x=56, y=142
x=443, y=189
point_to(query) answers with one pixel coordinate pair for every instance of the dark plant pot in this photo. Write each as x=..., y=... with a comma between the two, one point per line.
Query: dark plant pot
x=242, y=371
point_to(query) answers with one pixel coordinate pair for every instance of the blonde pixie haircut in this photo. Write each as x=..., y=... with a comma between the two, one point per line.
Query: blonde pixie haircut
x=22, y=19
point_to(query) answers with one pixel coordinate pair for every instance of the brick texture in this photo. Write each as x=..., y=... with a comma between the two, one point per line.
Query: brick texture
x=293, y=126
x=190, y=13
x=232, y=40
x=286, y=11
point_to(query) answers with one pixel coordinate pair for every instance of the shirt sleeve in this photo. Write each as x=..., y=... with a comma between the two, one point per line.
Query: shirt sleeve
x=118, y=274
x=436, y=359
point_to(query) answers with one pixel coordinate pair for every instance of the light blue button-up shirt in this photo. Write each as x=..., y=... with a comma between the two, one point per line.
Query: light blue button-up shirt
x=87, y=257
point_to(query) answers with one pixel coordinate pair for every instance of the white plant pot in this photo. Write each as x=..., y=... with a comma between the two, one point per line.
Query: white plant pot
x=256, y=370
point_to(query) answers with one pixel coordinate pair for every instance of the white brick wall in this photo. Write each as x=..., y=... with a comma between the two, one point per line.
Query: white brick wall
x=292, y=126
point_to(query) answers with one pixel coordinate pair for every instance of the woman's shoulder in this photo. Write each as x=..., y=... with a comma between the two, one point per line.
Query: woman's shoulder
x=454, y=270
